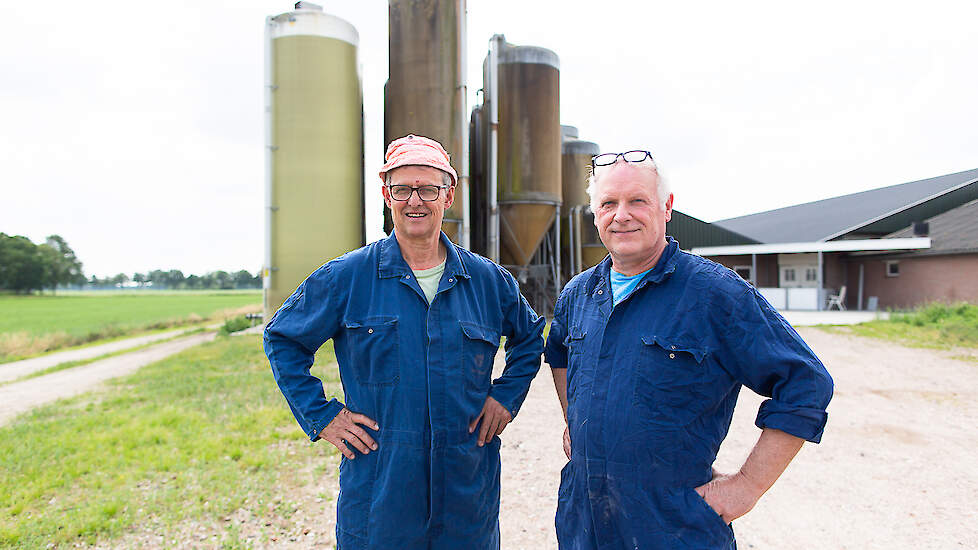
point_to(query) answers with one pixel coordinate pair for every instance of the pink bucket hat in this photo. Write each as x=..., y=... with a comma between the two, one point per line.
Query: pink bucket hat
x=412, y=150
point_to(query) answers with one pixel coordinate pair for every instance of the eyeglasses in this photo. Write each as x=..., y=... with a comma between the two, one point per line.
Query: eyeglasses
x=604, y=159
x=426, y=193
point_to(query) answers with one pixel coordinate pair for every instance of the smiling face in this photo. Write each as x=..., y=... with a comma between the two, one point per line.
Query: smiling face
x=630, y=219
x=415, y=219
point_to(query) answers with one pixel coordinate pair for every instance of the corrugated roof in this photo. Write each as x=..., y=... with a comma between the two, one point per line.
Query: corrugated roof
x=955, y=231
x=861, y=213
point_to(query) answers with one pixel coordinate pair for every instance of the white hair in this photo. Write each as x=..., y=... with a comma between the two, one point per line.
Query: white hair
x=662, y=185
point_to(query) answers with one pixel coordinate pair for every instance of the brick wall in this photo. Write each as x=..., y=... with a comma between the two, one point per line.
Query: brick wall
x=922, y=279
x=767, y=266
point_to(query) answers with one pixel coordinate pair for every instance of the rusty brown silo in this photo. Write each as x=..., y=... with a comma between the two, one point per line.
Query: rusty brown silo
x=425, y=92
x=581, y=246
x=528, y=183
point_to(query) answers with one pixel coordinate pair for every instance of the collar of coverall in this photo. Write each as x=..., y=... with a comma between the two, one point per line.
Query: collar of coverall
x=662, y=270
x=390, y=262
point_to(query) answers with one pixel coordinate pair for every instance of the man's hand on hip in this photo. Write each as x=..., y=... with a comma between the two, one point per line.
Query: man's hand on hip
x=730, y=496
x=494, y=419
x=344, y=429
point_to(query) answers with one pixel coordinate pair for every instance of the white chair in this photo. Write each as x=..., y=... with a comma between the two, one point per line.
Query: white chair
x=838, y=299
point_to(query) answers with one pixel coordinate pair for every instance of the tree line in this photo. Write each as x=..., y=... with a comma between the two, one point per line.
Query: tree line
x=175, y=279
x=26, y=267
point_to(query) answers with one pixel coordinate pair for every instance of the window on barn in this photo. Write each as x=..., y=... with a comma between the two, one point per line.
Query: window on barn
x=893, y=268
x=743, y=271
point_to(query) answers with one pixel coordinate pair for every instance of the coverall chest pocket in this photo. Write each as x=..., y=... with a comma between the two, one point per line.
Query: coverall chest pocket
x=374, y=350
x=479, y=346
x=575, y=346
x=576, y=377
x=671, y=380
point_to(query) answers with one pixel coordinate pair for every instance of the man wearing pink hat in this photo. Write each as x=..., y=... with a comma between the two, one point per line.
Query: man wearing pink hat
x=416, y=322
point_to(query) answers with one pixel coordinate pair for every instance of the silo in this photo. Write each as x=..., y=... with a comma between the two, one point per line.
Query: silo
x=479, y=203
x=582, y=248
x=314, y=146
x=528, y=149
x=425, y=92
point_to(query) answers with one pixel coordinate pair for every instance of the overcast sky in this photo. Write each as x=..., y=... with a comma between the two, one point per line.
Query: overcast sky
x=135, y=130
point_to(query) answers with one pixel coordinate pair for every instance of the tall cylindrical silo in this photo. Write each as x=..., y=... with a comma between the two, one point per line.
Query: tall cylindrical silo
x=581, y=245
x=425, y=92
x=479, y=204
x=314, y=142
x=528, y=176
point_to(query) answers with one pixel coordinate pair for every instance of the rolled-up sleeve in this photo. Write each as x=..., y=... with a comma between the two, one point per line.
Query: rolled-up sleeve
x=305, y=321
x=523, y=329
x=767, y=355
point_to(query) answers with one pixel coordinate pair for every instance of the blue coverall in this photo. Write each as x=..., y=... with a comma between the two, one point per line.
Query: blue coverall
x=651, y=388
x=423, y=373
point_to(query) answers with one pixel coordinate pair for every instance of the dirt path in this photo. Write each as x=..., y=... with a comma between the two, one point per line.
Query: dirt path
x=16, y=369
x=19, y=397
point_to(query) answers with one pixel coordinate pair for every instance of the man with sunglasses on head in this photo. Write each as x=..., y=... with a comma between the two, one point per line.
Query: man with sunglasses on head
x=649, y=350
x=416, y=322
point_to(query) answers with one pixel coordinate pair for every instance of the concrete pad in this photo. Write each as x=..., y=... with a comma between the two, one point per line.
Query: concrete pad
x=810, y=318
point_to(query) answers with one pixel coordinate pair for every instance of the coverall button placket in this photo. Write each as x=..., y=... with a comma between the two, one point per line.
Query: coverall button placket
x=436, y=469
x=596, y=451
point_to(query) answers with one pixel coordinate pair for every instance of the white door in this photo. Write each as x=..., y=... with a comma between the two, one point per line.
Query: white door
x=798, y=270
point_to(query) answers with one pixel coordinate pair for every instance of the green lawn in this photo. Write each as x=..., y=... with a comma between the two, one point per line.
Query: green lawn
x=30, y=325
x=937, y=325
x=194, y=437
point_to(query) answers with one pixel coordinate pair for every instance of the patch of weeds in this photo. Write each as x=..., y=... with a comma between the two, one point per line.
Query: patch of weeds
x=235, y=324
x=935, y=325
x=189, y=438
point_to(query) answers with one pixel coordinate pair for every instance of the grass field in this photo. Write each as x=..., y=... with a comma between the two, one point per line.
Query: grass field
x=938, y=326
x=195, y=437
x=31, y=325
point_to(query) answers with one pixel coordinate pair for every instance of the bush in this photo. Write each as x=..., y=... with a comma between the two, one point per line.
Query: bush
x=235, y=324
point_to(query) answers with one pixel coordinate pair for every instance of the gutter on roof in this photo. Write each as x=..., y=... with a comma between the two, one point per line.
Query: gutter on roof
x=898, y=210
x=911, y=243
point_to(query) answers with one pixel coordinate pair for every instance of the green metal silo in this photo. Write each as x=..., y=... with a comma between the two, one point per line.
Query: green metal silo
x=314, y=146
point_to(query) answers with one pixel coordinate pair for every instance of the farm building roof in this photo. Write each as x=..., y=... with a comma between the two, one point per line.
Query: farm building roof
x=953, y=232
x=867, y=214
x=693, y=232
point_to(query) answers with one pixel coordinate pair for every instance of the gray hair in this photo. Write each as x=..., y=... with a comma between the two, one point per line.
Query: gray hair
x=662, y=185
x=446, y=178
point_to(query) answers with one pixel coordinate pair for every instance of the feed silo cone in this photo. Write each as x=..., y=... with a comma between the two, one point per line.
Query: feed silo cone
x=314, y=133
x=577, y=239
x=528, y=181
x=425, y=92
